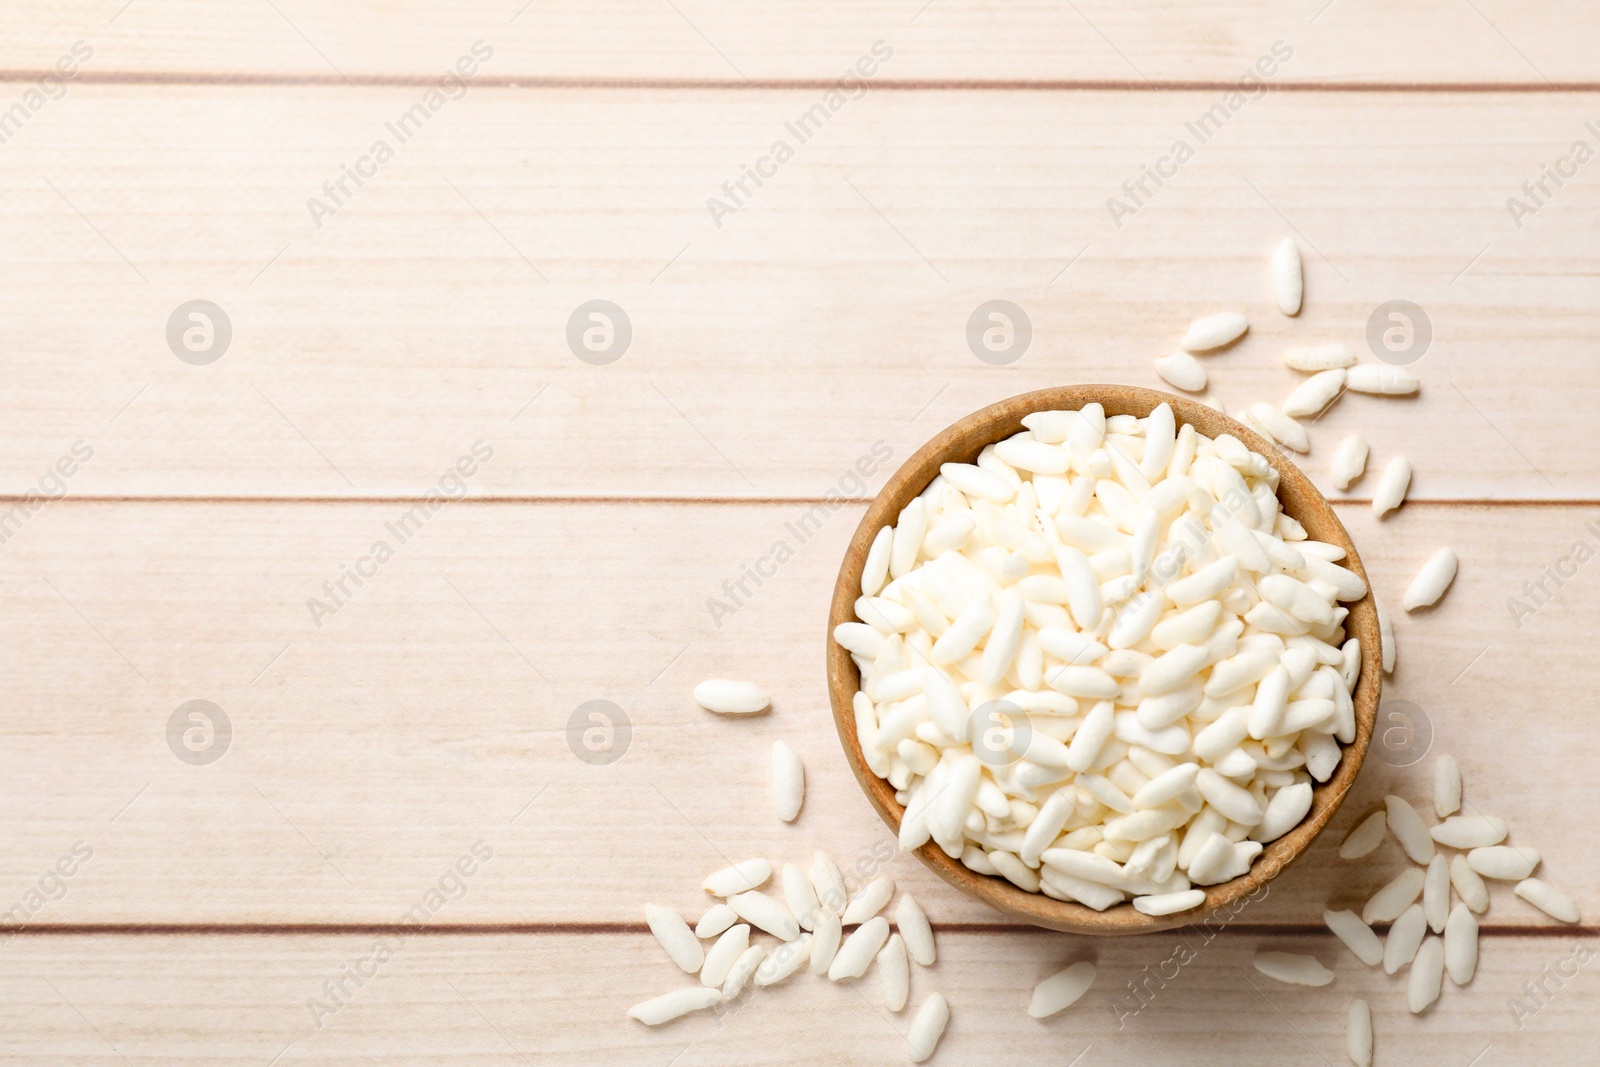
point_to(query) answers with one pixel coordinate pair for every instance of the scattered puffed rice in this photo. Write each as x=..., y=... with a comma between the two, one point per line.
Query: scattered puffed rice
x=1214, y=331
x=1427, y=976
x=1392, y=486
x=927, y=1027
x=913, y=925
x=739, y=878
x=1367, y=835
x=1349, y=461
x=1409, y=829
x=1461, y=944
x=1288, y=281
x=1358, y=1033
x=1446, y=787
x=669, y=1006
x=1319, y=357
x=1388, y=903
x=1507, y=863
x=1431, y=581
x=1312, y=396
x=894, y=971
x=1405, y=937
x=1292, y=968
x=1357, y=935
x=1182, y=371
x=1548, y=899
x=1061, y=990
x=788, y=781
x=1380, y=378
x=727, y=697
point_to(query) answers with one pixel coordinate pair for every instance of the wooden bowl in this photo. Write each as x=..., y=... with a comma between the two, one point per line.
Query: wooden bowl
x=962, y=442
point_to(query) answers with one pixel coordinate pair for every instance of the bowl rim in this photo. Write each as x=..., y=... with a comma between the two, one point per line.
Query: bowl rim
x=961, y=441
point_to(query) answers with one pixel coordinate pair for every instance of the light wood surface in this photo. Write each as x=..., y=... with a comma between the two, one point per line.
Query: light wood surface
x=769, y=354
x=507, y=1000
x=1348, y=41
x=368, y=353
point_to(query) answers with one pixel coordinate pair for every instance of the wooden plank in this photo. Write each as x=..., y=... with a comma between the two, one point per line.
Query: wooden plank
x=767, y=355
x=1357, y=41
x=493, y=1000
x=433, y=709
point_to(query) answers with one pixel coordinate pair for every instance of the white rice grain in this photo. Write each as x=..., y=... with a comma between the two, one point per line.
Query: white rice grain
x=1349, y=461
x=1427, y=976
x=912, y=922
x=784, y=960
x=739, y=878
x=1446, y=788
x=800, y=896
x=1169, y=903
x=788, y=781
x=1061, y=990
x=1382, y=379
x=909, y=531
x=1470, y=831
x=828, y=883
x=1468, y=884
x=1214, y=331
x=669, y=1006
x=895, y=973
x=726, y=697
x=1357, y=936
x=1288, y=280
x=1409, y=829
x=1432, y=580
x=1368, y=835
x=1284, y=811
x=1392, y=486
x=867, y=903
x=1461, y=944
x=1312, y=396
x=1436, y=893
x=1292, y=968
x=927, y=1027
x=875, y=571
x=720, y=959
x=1358, y=1033
x=1506, y=863
x=742, y=970
x=825, y=941
x=1548, y=899
x=1316, y=358
x=859, y=950
x=1182, y=371
x=762, y=911
x=675, y=936
x=715, y=921
x=1387, y=904
x=1282, y=429
x=1390, y=651
x=1405, y=937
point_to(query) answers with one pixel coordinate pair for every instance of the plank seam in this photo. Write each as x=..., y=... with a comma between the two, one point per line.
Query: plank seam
x=8, y=499
x=631, y=928
x=364, y=81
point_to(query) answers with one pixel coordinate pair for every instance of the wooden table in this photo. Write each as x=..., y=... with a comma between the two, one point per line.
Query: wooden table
x=381, y=731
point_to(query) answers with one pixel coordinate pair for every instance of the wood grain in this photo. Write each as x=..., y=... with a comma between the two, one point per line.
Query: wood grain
x=768, y=355
x=1346, y=42
x=502, y=1000
x=432, y=709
